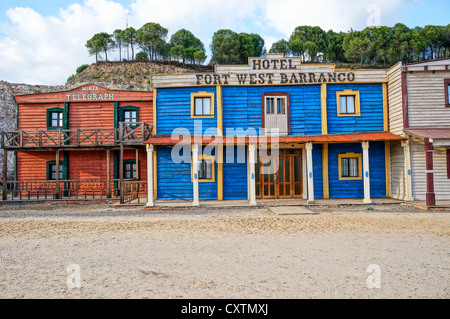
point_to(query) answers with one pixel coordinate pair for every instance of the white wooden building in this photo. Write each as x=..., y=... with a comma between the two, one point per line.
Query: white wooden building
x=419, y=108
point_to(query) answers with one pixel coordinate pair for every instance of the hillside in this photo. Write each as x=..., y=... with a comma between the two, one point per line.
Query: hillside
x=130, y=75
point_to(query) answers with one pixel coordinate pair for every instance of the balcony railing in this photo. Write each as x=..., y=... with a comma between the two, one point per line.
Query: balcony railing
x=127, y=133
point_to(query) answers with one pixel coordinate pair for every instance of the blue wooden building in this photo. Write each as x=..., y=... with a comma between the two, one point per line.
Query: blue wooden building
x=272, y=129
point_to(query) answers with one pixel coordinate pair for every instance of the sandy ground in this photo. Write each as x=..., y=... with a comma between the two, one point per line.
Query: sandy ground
x=223, y=253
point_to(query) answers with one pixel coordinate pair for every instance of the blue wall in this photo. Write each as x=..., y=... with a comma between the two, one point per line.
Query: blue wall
x=173, y=110
x=242, y=107
x=174, y=180
x=235, y=173
x=355, y=188
x=371, y=100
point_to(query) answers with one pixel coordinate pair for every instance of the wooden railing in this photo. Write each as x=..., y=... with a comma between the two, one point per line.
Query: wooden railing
x=134, y=191
x=127, y=133
x=68, y=189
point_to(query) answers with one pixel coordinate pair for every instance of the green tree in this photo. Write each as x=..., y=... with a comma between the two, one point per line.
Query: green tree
x=177, y=52
x=281, y=46
x=308, y=42
x=94, y=46
x=129, y=39
x=434, y=36
x=334, y=51
x=118, y=37
x=250, y=45
x=399, y=48
x=188, y=41
x=225, y=47
x=141, y=56
x=152, y=37
x=379, y=38
x=356, y=46
x=199, y=57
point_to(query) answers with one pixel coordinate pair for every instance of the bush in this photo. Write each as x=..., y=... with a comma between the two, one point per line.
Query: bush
x=141, y=56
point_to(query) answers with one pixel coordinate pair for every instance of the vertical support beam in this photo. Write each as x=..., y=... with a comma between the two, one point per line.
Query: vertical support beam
x=387, y=166
x=408, y=181
x=150, y=198
x=323, y=102
x=304, y=175
x=326, y=191
x=155, y=171
x=122, y=198
x=251, y=173
x=219, y=171
x=196, y=201
x=385, y=108
x=108, y=173
x=57, y=175
x=137, y=164
x=366, y=175
x=155, y=94
x=5, y=173
x=429, y=149
x=309, y=170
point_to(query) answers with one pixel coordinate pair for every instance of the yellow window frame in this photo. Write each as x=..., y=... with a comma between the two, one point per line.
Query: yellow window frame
x=350, y=155
x=213, y=169
x=202, y=95
x=357, y=102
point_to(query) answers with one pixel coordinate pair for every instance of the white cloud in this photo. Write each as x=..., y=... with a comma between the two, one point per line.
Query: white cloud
x=46, y=50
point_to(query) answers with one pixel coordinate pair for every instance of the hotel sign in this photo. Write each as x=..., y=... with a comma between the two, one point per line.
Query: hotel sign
x=273, y=69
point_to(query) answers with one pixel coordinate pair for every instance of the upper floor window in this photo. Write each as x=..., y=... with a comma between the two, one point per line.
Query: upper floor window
x=202, y=105
x=276, y=113
x=129, y=114
x=55, y=118
x=348, y=103
x=447, y=92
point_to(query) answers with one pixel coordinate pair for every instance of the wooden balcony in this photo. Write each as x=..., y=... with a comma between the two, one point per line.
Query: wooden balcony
x=128, y=133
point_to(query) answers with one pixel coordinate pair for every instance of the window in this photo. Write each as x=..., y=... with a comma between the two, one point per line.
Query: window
x=202, y=105
x=447, y=92
x=206, y=169
x=348, y=103
x=55, y=118
x=129, y=169
x=275, y=113
x=350, y=166
x=52, y=168
x=130, y=116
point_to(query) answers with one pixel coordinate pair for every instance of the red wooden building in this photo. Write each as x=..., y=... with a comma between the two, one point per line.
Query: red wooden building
x=96, y=136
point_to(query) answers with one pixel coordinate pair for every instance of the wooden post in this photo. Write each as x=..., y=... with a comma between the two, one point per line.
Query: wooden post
x=310, y=176
x=252, y=176
x=408, y=181
x=150, y=197
x=108, y=173
x=196, y=201
x=366, y=176
x=430, y=195
x=5, y=173
x=137, y=164
x=122, y=199
x=57, y=175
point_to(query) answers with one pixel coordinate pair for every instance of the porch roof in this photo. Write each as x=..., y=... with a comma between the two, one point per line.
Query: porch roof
x=430, y=132
x=334, y=138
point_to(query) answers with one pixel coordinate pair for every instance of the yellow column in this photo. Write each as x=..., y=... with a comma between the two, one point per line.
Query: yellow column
x=387, y=156
x=326, y=193
x=323, y=100
x=219, y=147
x=385, y=108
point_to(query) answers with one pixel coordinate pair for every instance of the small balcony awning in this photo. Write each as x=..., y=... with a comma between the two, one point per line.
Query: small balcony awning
x=440, y=136
x=334, y=138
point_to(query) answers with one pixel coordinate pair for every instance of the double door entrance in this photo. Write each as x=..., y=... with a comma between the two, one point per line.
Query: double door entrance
x=279, y=177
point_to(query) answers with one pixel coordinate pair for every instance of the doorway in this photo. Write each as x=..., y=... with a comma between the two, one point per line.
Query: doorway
x=282, y=178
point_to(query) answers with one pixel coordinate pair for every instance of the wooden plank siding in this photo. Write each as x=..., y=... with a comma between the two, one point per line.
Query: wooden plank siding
x=398, y=172
x=395, y=99
x=419, y=180
x=32, y=166
x=34, y=116
x=426, y=99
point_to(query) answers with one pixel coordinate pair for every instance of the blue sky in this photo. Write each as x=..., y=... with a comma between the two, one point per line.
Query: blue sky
x=42, y=42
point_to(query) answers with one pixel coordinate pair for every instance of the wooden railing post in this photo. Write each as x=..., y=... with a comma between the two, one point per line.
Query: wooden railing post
x=57, y=174
x=121, y=174
x=5, y=173
x=108, y=173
